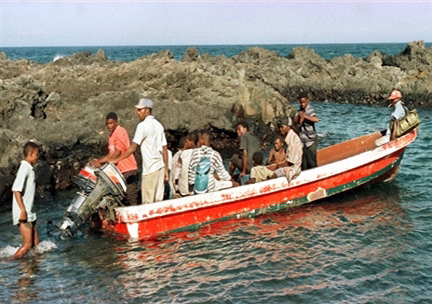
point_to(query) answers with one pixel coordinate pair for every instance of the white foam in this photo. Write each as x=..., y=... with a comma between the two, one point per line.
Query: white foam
x=8, y=251
x=45, y=246
x=57, y=57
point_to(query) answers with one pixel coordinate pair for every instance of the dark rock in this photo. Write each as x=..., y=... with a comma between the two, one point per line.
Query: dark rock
x=62, y=105
x=190, y=55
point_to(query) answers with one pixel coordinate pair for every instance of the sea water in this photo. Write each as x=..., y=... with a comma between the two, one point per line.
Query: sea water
x=371, y=245
x=130, y=53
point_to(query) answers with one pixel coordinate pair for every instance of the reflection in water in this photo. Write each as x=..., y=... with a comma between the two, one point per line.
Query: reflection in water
x=316, y=242
x=27, y=290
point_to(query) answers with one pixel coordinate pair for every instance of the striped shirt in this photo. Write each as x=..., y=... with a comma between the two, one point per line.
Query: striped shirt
x=216, y=166
x=308, y=135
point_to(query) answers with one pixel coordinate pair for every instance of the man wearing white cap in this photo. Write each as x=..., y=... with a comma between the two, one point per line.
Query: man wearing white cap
x=150, y=135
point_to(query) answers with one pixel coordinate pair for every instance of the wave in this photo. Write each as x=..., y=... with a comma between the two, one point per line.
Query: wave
x=43, y=246
x=57, y=57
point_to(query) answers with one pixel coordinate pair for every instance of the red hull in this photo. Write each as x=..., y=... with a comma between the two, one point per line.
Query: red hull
x=150, y=220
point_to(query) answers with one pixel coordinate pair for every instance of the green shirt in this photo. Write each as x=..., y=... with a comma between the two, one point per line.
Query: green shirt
x=250, y=143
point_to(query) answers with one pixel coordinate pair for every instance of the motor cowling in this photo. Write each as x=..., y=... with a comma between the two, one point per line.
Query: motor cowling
x=102, y=188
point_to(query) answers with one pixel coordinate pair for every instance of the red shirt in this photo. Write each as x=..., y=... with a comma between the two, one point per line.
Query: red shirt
x=119, y=139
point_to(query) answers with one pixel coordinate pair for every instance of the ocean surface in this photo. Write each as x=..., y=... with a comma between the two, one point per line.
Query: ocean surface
x=371, y=245
x=129, y=53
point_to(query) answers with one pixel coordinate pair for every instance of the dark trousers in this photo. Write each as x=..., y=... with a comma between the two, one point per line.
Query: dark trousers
x=309, y=158
x=237, y=160
x=131, y=178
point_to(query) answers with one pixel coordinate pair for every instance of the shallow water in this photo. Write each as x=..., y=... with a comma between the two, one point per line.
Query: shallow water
x=372, y=245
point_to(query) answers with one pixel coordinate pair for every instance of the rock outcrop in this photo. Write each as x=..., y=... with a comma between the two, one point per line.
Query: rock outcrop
x=62, y=105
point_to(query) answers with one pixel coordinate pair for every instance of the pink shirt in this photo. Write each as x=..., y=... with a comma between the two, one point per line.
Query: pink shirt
x=119, y=139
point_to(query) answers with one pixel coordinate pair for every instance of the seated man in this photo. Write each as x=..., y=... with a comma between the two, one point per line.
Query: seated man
x=249, y=144
x=217, y=177
x=180, y=166
x=259, y=172
x=294, y=150
x=277, y=156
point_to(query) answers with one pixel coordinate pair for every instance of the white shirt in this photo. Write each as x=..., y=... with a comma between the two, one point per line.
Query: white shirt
x=25, y=182
x=150, y=135
x=399, y=110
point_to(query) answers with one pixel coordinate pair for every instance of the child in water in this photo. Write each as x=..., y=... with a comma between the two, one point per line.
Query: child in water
x=24, y=188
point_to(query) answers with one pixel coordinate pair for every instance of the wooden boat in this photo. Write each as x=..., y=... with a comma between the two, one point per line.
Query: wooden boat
x=341, y=167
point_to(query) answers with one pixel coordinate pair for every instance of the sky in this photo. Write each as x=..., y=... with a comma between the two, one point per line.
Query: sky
x=98, y=23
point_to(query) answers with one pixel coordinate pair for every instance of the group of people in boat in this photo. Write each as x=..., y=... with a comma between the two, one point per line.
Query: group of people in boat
x=195, y=164
x=196, y=167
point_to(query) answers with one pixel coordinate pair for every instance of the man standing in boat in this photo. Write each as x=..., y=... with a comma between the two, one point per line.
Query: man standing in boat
x=294, y=150
x=399, y=110
x=150, y=136
x=306, y=119
x=118, y=143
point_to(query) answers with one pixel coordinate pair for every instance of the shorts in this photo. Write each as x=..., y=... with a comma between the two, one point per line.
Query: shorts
x=280, y=172
x=219, y=185
x=30, y=225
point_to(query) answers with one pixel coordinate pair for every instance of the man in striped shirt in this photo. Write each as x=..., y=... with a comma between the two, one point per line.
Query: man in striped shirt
x=219, y=177
x=306, y=119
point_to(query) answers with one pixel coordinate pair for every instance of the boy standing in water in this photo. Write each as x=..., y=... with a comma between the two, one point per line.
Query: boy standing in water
x=24, y=188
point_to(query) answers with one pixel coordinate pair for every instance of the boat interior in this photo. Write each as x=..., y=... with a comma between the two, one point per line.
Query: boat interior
x=347, y=148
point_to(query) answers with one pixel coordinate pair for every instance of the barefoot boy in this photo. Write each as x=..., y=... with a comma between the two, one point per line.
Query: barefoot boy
x=23, y=189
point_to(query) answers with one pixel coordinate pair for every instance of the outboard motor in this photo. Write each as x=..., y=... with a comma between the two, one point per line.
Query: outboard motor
x=100, y=190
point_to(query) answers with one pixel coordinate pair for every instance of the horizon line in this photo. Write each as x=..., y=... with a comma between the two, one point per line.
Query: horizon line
x=198, y=45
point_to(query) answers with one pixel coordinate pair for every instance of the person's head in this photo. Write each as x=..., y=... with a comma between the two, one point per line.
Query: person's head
x=111, y=121
x=144, y=108
x=182, y=143
x=192, y=140
x=303, y=99
x=242, y=128
x=395, y=97
x=204, y=138
x=31, y=152
x=257, y=158
x=285, y=125
x=278, y=143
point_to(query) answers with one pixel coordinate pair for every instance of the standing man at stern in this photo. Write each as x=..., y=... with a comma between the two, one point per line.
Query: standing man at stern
x=306, y=119
x=150, y=135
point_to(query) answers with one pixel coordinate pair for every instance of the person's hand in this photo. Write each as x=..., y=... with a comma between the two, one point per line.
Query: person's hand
x=96, y=163
x=242, y=174
x=23, y=217
x=166, y=176
x=302, y=116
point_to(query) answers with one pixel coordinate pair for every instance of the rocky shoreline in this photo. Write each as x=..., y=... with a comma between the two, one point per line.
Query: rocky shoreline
x=62, y=105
